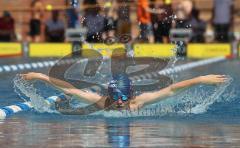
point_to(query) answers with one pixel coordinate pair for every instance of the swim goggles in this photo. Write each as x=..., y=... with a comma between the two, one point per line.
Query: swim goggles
x=120, y=96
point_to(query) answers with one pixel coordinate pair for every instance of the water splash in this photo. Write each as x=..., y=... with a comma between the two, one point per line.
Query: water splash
x=205, y=104
x=27, y=91
x=194, y=101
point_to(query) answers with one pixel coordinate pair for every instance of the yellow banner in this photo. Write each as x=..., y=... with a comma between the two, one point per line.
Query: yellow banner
x=10, y=49
x=208, y=50
x=103, y=49
x=50, y=49
x=154, y=50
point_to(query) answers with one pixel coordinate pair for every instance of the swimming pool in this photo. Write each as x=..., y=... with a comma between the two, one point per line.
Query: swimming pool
x=214, y=125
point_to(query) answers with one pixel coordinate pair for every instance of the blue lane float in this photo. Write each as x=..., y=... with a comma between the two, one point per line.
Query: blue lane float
x=26, y=106
x=20, y=107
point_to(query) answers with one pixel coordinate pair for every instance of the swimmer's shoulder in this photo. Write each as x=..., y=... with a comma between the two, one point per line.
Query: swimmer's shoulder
x=135, y=104
x=102, y=102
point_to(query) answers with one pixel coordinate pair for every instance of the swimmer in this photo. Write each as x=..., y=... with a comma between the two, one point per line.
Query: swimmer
x=120, y=91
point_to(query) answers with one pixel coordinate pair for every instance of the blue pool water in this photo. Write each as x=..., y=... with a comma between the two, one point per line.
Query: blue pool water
x=215, y=123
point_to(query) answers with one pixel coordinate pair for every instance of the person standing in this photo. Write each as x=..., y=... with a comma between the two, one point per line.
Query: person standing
x=198, y=26
x=55, y=28
x=222, y=19
x=35, y=27
x=144, y=19
x=110, y=19
x=183, y=13
x=124, y=22
x=93, y=21
x=72, y=13
x=162, y=23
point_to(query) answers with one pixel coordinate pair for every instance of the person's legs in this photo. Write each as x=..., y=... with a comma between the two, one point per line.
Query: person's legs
x=217, y=30
x=225, y=32
x=222, y=32
x=163, y=31
x=166, y=31
x=143, y=33
x=146, y=33
x=150, y=33
x=157, y=32
x=35, y=30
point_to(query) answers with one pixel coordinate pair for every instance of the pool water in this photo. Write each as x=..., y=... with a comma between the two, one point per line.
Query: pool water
x=215, y=124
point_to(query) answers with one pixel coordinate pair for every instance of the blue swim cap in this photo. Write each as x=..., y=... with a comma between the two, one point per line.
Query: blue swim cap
x=120, y=87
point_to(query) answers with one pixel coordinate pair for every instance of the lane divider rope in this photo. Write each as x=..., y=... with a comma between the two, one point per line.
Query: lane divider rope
x=12, y=109
x=179, y=68
x=34, y=65
x=25, y=106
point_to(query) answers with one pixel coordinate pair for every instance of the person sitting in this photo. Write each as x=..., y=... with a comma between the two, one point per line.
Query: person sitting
x=94, y=21
x=162, y=23
x=7, y=33
x=55, y=28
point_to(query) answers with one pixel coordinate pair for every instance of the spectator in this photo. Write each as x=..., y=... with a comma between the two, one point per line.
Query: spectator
x=55, y=28
x=144, y=19
x=7, y=32
x=35, y=22
x=198, y=27
x=183, y=11
x=93, y=21
x=222, y=19
x=123, y=22
x=110, y=25
x=162, y=23
x=71, y=13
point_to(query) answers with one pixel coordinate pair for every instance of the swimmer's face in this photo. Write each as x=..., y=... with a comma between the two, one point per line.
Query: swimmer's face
x=119, y=103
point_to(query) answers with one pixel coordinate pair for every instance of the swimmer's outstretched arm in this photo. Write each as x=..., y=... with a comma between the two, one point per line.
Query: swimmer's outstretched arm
x=151, y=97
x=64, y=86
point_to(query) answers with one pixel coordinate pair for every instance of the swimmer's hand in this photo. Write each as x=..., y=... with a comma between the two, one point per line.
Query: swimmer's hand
x=31, y=76
x=213, y=79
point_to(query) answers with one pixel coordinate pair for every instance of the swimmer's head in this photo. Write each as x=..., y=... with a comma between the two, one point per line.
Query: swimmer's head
x=120, y=89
